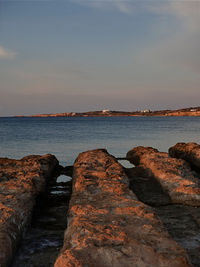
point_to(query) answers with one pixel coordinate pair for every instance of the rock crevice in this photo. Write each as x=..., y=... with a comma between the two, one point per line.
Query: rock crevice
x=108, y=225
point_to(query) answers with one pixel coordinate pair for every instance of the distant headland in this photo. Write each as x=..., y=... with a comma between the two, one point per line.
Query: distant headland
x=192, y=111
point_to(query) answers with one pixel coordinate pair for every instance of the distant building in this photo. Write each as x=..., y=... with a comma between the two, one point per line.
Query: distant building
x=105, y=111
x=146, y=111
x=73, y=114
x=193, y=109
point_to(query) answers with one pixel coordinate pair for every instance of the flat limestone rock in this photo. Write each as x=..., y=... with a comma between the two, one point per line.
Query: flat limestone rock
x=20, y=182
x=174, y=175
x=108, y=226
x=187, y=151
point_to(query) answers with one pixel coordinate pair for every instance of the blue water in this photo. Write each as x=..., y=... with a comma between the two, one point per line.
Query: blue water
x=67, y=137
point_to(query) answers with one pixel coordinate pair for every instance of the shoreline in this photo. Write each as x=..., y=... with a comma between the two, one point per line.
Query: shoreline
x=189, y=112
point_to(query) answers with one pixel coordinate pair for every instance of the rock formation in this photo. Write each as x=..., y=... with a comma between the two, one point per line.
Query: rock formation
x=174, y=175
x=181, y=221
x=187, y=151
x=20, y=182
x=108, y=225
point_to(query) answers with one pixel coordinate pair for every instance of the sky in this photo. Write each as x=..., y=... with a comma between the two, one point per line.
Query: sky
x=82, y=55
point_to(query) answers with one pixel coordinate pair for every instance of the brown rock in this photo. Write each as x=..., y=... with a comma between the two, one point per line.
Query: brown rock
x=107, y=225
x=134, y=155
x=187, y=151
x=20, y=182
x=174, y=175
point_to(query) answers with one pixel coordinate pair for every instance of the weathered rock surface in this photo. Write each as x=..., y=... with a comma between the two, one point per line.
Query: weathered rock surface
x=20, y=182
x=135, y=154
x=108, y=225
x=183, y=224
x=181, y=221
x=174, y=175
x=187, y=151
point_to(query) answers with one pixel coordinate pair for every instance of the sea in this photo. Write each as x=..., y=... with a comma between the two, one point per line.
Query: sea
x=66, y=137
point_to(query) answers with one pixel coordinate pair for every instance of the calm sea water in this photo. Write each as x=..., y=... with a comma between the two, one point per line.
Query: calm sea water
x=67, y=137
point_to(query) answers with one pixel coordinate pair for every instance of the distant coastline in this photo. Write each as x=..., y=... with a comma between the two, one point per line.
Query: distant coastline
x=192, y=111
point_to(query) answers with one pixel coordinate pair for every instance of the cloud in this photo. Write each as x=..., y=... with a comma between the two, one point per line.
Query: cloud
x=6, y=53
x=186, y=11
x=189, y=12
x=123, y=6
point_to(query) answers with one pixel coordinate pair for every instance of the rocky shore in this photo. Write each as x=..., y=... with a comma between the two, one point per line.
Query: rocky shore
x=108, y=226
x=174, y=175
x=189, y=152
x=147, y=215
x=20, y=183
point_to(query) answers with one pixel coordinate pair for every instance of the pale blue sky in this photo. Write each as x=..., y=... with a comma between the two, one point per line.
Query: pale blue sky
x=78, y=55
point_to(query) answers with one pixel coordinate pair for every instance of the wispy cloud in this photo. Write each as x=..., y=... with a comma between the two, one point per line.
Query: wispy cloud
x=123, y=6
x=188, y=11
x=6, y=53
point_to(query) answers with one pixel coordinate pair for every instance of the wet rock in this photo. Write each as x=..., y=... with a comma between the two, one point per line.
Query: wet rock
x=108, y=225
x=187, y=151
x=20, y=182
x=174, y=175
x=183, y=225
x=43, y=240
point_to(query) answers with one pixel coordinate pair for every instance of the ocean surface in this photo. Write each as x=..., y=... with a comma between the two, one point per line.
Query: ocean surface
x=67, y=137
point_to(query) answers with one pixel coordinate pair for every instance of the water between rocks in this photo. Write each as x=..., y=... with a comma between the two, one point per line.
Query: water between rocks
x=43, y=240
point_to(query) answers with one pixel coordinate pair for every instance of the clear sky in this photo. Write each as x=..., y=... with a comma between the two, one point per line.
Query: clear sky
x=81, y=55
